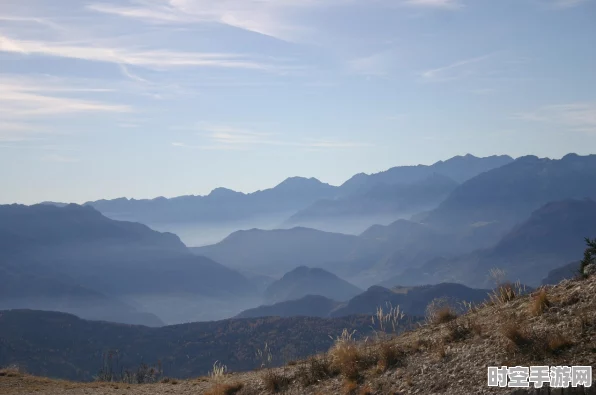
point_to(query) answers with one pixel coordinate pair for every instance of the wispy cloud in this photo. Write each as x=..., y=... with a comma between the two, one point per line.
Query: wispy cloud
x=379, y=64
x=267, y=17
x=577, y=117
x=440, y=4
x=566, y=3
x=226, y=138
x=455, y=70
x=157, y=59
x=23, y=98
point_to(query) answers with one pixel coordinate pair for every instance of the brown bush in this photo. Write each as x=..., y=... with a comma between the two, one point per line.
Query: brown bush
x=274, y=381
x=11, y=371
x=539, y=303
x=556, y=343
x=225, y=389
x=457, y=331
x=389, y=356
x=512, y=331
x=314, y=370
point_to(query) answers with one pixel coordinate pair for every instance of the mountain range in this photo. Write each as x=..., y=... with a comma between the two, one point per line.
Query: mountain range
x=553, y=235
x=355, y=205
x=412, y=301
x=74, y=257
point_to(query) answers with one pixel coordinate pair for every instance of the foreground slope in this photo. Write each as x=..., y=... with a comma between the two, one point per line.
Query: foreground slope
x=438, y=358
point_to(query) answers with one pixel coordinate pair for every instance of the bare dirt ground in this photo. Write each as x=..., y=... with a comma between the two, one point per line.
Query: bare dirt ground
x=554, y=327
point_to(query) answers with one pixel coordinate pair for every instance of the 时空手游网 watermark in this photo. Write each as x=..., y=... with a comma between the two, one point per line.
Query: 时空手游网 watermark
x=553, y=376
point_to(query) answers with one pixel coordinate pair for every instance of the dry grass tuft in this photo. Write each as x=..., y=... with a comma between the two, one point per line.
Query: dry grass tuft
x=439, y=311
x=518, y=336
x=539, y=303
x=504, y=293
x=365, y=391
x=350, y=387
x=557, y=343
x=11, y=371
x=346, y=356
x=441, y=351
x=389, y=356
x=274, y=381
x=457, y=331
x=225, y=389
x=315, y=369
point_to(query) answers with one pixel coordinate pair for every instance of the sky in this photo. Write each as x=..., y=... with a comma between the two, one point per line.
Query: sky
x=146, y=98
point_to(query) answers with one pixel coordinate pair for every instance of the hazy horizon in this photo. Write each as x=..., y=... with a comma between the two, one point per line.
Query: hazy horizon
x=147, y=98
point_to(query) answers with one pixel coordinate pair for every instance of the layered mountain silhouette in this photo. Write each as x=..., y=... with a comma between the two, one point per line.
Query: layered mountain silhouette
x=304, y=281
x=412, y=301
x=358, y=203
x=379, y=204
x=78, y=246
x=220, y=205
x=458, y=168
x=307, y=306
x=508, y=194
x=553, y=235
x=275, y=252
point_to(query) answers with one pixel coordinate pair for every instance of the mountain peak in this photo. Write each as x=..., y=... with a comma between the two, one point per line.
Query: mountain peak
x=297, y=182
x=224, y=192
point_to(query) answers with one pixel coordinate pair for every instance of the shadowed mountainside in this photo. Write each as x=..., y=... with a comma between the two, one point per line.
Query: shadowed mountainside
x=78, y=246
x=304, y=281
x=308, y=306
x=275, y=252
x=509, y=194
x=553, y=234
x=411, y=301
x=380, y=203
x=64, y=346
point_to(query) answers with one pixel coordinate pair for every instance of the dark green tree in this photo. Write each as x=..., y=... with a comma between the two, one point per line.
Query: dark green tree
x=589, y=254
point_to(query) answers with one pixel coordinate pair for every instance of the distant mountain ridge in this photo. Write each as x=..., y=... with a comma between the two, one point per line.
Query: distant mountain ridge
x=220, y=205
x=79, y=247
x=412, y=301
x=203, y=220
x=307, y=306
x=275, y=252
x=551, y=237
x=379, y=200
x=304, y=281
x=510, y=193
x=458, y=168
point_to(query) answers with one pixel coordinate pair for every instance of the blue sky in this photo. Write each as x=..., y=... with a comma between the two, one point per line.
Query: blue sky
x=146, y=98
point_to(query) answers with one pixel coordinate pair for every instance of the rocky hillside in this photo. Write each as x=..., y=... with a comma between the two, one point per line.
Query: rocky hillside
x=555, y=326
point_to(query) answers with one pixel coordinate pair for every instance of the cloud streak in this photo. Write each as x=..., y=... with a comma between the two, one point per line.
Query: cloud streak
x=156, y=59
x=567, y=3
x=438, y=4
x=454, y=70
x=576, y=117
x=226, y=138
x=23, y=98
